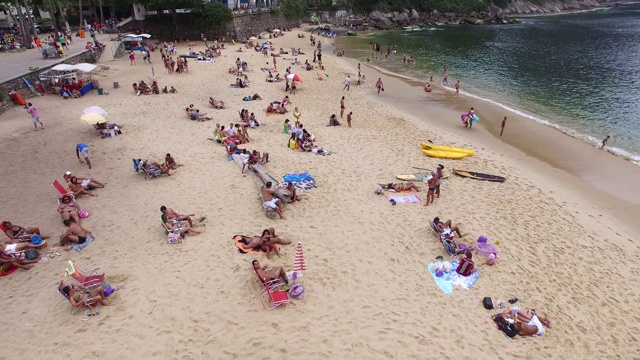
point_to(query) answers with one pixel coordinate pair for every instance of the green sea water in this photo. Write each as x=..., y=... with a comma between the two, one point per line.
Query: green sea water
x=577, y=72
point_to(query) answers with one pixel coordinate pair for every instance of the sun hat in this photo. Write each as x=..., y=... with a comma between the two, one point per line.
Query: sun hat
x=68, y=173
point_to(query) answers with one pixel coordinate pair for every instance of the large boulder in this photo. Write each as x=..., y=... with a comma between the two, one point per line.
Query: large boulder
x=414, y=15
x=380, y=20
x=403, y=19
x=449, y=15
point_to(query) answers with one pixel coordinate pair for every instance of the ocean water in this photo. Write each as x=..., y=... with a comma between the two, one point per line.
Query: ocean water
x=578, y=72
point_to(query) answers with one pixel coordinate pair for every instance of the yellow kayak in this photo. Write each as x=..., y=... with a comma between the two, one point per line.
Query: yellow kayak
x=428, y=146
x=444, y=154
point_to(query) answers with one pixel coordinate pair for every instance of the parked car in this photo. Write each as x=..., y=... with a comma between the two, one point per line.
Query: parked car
x=41, y=29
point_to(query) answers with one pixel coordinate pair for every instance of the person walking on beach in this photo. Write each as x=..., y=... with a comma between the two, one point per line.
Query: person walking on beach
x=83, y=149
x=457, y=88
x=132, y=58
x=504, y=122
x=347, y=84
x=604, y=141
x=349, y=118
x=342, y=107
x=34, y=116
x=379, y=85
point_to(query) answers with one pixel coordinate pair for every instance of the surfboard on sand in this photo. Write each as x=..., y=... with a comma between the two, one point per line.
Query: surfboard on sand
x=479, y=176
x=421, y=177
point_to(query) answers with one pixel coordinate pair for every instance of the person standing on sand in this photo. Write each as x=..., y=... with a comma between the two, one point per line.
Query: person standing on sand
x=315, y=53
x=349, y=118
x=445, y=80
x=347, y=84
x=132, y=58
x=34, y=116
x=504, y=122
x=83, y=149
x=341, y=107
x=319, y=56
x=433, y=185
x=604, y=141
x=379, y=85
x=457, y=88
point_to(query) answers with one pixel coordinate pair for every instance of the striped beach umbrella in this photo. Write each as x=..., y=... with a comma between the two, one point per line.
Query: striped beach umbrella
x=95, y=110
x=298, y=263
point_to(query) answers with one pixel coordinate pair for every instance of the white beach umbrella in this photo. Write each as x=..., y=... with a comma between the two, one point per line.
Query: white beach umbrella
x=95, y=110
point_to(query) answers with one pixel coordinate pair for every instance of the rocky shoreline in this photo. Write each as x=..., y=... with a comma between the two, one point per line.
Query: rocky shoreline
x=495, y=15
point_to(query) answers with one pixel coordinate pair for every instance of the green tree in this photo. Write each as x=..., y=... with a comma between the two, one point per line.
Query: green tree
x=212, y=16
x=294, y=9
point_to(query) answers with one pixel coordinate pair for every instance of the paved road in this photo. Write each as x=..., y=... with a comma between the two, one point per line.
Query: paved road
x=14, y=64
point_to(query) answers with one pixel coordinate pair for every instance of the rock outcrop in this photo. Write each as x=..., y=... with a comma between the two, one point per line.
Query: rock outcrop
x=493, y=15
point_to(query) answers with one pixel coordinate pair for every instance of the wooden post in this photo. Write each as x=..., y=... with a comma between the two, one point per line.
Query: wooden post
x=271, y=213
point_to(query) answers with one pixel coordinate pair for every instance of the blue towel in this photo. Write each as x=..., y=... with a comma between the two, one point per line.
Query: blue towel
x=443, y=281
x=447, y=280
x=298, y=177
x=78, y=247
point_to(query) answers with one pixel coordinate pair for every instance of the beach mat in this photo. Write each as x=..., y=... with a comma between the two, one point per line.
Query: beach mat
x=447, y=280
x=78, y=247
x=404, y=198
x=493, y=318
x=9, y=272
x=237, y=239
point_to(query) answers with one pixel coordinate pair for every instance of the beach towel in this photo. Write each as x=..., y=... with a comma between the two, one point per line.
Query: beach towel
x=493, y=318
x=237, y=239
x=302, y=181
x=78, y=247
x=404, y=198
x=9, y=272
x=447, y=280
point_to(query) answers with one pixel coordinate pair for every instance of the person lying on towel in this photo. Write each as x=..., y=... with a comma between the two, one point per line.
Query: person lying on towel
x=406, y=186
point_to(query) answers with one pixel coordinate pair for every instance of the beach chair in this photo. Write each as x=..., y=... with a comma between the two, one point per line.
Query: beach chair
x=73, y=309
x=441, y=235
x=88, y=280
x=273, y=296
x=148, y=174
x=61, y=189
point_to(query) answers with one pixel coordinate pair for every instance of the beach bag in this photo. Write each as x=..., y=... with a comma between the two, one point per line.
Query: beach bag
x=508, y=329
x=83, y=213
x=173, y=238
x=36, y=240
x=296, y=292
x=31, y=254
x=487, y=303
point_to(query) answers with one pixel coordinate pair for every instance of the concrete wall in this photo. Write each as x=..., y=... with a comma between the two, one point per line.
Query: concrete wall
x=243, y=26
x=18, y=85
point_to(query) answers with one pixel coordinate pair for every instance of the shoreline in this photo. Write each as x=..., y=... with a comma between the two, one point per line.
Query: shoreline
x=579, y=157
x=609, y=180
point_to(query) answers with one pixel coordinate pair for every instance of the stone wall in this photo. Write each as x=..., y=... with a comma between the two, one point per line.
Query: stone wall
x=243, y=26
x=16, y=84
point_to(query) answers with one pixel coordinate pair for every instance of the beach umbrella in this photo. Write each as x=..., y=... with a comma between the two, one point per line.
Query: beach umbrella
x=294, y=77
x=95, y=110
x=298, y=262
x=93, y=118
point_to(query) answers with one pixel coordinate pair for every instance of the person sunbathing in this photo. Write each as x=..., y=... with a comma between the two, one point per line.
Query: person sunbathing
x=74, y=234
x=170, y=163
x=69, y=209
x=87, y=183
x=16, y=232
x=78, y=295
x=136, y=89
x=173, y=90
x=458, y=248
x=76, y=188
x=406, y=186
x=155, y=168
x=197, y=115
x=7, y=264
x=172, y=215
x=182, y=227
x=446, y=226
x=267, y=274
x=15, y=251
x=217, y=104
x=270, y=240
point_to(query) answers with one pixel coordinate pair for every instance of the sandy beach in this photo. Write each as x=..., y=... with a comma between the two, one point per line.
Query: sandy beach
x=567, y=249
